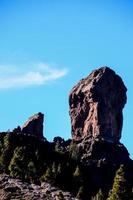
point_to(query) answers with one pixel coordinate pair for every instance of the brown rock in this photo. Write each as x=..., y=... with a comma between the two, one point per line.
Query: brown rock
x=34, y=125
x=96, y=104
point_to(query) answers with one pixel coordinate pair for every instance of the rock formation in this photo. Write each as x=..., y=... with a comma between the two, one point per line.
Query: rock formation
x=34, y=125
x=77, y=168
x=15, y=189
x=96, y=104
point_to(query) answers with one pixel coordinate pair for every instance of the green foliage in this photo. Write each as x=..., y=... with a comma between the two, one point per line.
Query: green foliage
x=35, y=160
x=6, y=140
x=74, y=151
x=59, y=144
x=78, y=174
x=18, y=164
x=81, y=193
x=1, y=145
x=1, y=152
x=6, y=152
x=55, y=168
x=120, y=190
x=77, y=179
x=98, y=196
x=48, y=175
x=31, y=171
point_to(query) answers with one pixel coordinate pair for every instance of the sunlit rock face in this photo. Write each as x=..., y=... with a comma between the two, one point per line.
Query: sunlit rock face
x=96, y=105
x=34, y=125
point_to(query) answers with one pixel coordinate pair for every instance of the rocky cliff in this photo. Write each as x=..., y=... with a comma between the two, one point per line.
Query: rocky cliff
x=96, y=104
x=34, y=125
x=82, y=168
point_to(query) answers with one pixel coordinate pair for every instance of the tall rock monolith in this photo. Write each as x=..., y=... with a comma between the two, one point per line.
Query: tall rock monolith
x=96, y=105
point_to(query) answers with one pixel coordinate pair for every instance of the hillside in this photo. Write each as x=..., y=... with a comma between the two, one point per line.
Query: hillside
x=93, y=165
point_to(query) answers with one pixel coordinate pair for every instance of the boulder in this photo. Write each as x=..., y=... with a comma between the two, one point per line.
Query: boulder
x=34, y=125
x=96, y=105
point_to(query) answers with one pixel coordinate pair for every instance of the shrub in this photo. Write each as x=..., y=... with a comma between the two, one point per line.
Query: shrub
x=18, y=164
x=120, y=190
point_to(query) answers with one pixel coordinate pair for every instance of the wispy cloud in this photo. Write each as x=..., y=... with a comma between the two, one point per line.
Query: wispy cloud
x=35, y=74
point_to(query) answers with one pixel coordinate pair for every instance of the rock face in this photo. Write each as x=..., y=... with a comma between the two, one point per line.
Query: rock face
x=15, y=189
x=34, y=125
x=96, y=104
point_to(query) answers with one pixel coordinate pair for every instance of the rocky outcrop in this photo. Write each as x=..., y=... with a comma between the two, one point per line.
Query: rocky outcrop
x=15, y=189
x=73, y=169
x=34, y=125
x=96, y=104
x=99, y=150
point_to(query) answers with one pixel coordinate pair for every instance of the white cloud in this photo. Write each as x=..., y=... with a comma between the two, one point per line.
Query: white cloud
x=37, y=74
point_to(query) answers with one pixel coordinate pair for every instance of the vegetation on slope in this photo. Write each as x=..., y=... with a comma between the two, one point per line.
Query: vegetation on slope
x=36, y=160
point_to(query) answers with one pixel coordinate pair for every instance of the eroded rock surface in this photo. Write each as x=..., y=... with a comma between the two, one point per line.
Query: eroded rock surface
x=96, y=105
x=34, y=125
x=15, y=189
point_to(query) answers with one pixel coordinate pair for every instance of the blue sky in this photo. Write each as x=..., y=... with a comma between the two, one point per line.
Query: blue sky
x=47, y=46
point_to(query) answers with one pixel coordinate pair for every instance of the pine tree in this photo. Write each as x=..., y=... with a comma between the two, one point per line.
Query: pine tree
x=18, y=164
x=48, y=175
x=6, y=153
x=31, y=171
x=81, y=193
x=99, y=196
x=77, y=175
x=54, y=169
x=121, y=189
